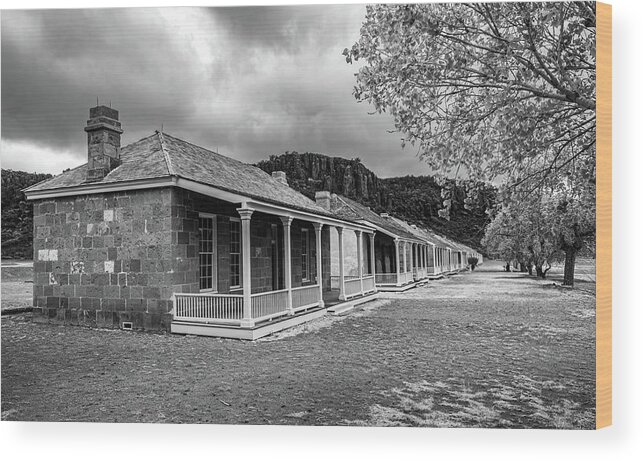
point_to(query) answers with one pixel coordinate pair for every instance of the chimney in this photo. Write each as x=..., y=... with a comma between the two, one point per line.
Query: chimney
x=103, y=142
x=323, y=199
x=280, y=176
x=384, y=215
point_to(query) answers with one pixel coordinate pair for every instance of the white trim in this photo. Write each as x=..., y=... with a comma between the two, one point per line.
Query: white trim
x=211, y=191
x=240, y=286
x=305, y=231
x=86, y=189
x=215, y=254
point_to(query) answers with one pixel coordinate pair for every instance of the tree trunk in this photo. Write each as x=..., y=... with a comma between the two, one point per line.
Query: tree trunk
x=530, y=269
x=523, y=267
x=539, y=270
x=570, y=263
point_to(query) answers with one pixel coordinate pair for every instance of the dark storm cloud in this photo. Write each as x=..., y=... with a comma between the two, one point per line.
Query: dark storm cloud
x=247, y=81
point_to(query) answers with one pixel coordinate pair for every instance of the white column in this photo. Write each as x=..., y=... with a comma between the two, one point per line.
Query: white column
x=360, y=272
x=287, y=221
x=246, y=214
x=372, y=239
x=406, y=267
x=318, y=233
x=340, y=244
x=424, y=257
x=397, y=260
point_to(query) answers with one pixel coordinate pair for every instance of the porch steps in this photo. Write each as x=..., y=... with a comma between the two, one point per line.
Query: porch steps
x=347, y=306
x=396, y=289
x=235, y=332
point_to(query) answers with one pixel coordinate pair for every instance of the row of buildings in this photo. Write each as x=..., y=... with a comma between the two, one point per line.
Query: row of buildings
x=165, y=235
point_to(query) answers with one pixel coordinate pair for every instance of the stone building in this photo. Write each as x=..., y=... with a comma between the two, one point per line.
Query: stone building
x=165, y=235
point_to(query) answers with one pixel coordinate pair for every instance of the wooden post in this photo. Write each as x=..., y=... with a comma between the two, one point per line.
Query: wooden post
x=358, y=234
x=246, y=214
x=372, y=239
x=318, y=233
x=406, y=266
x=287, y=221
x=397, y=260
x=340, y=244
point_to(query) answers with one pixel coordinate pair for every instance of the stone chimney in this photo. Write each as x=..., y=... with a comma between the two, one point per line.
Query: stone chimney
x=323, y=199
x=280, y=176
x=384, y=215
x=103, y=142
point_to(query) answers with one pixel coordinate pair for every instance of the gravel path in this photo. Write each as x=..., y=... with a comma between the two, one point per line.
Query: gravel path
x=486, y=348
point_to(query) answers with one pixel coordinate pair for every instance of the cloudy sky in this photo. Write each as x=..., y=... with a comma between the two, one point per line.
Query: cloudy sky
x=248, y=82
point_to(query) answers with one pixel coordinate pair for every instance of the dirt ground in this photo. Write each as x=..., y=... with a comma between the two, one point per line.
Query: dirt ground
x=481, y=349
x=17, y=284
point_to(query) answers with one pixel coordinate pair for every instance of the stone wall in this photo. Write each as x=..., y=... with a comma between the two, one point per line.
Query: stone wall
x=104, y=259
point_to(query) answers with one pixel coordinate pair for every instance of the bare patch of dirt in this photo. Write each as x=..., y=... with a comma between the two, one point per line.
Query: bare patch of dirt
x=486, y=348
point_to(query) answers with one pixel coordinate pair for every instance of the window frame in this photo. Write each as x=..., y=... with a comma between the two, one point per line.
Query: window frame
x=240, y=253
x=305, y=238
x=215, y=267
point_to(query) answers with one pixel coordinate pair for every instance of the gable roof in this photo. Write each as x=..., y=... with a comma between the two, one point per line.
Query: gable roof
x=431, y=236
x=163, y=156
x=345, y=208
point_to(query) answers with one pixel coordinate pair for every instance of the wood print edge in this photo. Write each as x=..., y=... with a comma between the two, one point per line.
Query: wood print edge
x=604, y=215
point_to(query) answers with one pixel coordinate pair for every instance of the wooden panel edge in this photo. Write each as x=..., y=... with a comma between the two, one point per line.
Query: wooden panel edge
x=603, y=215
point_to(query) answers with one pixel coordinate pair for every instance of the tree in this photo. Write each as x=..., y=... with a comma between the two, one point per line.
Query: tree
x=529, y=232
x=17, y=213
x=502, y=92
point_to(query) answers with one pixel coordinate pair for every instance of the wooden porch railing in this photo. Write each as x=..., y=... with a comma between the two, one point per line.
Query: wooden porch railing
x=269, y=304
x=406, y=277
x=352, y=287
x=368, y=284
x=386, y=279
x=334, y=280
x=200, y=306
x=305, y=297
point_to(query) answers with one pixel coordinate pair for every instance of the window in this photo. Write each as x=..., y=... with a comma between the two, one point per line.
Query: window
x=305, y=251
x=207, y=255
x=235, y=253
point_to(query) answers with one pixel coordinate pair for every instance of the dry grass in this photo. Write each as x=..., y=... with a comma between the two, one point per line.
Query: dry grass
x=486, y=349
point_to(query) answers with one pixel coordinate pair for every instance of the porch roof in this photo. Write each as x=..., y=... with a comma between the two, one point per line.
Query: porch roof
x=161, y=156
x=346, y=208
x=426, y=234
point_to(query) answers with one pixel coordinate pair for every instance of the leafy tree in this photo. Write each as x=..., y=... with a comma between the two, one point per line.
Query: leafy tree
x=528, y=232
x=17, y=213
x=502, y=92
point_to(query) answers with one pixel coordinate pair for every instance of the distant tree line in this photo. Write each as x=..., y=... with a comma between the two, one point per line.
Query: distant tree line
x=17, y=213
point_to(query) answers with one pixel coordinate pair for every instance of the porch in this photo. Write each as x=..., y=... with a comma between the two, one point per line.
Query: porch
x=409, y=260
x=261, y=271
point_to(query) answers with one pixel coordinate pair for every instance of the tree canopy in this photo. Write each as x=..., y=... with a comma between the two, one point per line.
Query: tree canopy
x=501, y=92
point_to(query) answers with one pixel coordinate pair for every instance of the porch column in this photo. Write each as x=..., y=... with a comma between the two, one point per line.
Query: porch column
x=397, y=261
x=287, y=221
x=318, y=233
x=340, y=244
x=405, y=262
x=426, y=259
x=372, y=239
x=360, y=271
x=246, y=214
x=423, y=254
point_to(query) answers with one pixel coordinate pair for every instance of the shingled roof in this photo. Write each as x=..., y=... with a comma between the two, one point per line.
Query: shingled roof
x=162, y=156
x=345, y=208
x=429, y=235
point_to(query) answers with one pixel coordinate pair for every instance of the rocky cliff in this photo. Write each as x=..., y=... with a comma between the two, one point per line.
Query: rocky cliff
x=415, y=199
